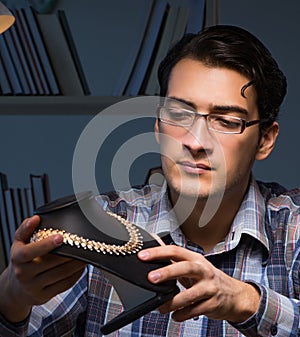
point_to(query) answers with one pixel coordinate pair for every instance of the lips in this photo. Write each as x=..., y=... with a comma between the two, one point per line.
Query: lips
x=195, y=168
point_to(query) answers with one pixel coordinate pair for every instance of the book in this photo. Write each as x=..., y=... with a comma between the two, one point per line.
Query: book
x=142, y=16
x=196, y=16
x=12, y=31
x=143, y=60
x=4, y=82
x=16, y=206
x=11, y=220
x=60, y=55
x=3, y=217
x=71, y=43
x=181, y=24
x=10, y=68
x=24, y=209
x=30, y=52
x=30, y=16
x=3, y=262
x=178, y=32
x=40, y=189
x=29, y=201
x=107, y=40
x=164, y=45
x=16, y=59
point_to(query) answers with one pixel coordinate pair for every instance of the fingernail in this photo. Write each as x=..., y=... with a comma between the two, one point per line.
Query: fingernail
x=58, y=239
x=143, y=254
x=154, y=276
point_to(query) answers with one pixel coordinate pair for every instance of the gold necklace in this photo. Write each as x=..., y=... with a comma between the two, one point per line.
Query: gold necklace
x=132, y=246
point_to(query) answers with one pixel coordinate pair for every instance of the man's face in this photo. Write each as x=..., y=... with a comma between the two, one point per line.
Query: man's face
x=199, y=162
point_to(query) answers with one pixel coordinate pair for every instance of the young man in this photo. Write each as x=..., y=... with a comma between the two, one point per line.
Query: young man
x=235, y=246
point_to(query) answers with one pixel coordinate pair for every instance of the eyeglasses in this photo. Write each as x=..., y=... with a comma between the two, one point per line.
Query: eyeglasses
x=219, y=123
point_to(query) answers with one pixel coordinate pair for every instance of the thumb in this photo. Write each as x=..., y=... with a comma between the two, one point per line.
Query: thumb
x=26, y=229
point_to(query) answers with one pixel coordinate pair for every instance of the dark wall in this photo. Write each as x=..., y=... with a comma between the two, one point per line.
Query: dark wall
x=277, y=24
x=37, y=144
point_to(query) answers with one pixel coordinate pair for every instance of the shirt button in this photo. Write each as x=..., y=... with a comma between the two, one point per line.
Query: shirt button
x=274, y=330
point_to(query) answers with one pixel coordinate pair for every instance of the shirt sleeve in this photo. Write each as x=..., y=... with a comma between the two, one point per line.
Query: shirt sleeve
x=57, y=317
x=277, y=315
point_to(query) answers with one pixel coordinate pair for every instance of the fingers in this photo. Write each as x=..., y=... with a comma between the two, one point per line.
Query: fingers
x=34, y=275
x=22, y=251
x=26, y=229
x=188, y=264
x=211, y=292
x=64, y=284
x=189, y=312
x=43, y=286
x=58, y=279
x=188, y=301
x=170, y=252
x=63, y=272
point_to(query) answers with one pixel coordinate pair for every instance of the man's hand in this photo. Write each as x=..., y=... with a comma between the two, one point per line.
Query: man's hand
x=209, y=291
x=34, y=276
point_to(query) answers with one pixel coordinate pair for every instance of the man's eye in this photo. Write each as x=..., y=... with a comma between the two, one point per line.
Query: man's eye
x=179, y=114
x=226, y=122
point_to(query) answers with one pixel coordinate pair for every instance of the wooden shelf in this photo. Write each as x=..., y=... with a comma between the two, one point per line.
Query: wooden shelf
x=55, y=105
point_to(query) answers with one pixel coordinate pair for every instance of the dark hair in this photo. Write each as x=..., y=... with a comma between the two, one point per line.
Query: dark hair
x=237, y=49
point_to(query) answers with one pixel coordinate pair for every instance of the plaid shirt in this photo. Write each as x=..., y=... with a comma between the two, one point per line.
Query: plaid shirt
x=262, y=247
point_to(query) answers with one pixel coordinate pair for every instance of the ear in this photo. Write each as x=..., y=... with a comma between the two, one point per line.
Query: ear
x=156, y=130
x=267, y=142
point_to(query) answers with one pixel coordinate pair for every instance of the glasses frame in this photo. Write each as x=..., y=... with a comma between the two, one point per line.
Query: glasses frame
x=244, y=123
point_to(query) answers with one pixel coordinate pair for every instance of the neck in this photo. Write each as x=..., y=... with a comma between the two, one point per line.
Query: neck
x=204, y=229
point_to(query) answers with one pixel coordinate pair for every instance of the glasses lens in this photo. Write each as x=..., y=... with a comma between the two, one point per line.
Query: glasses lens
x=182, y=117
x=226, y=124
x=177, y=116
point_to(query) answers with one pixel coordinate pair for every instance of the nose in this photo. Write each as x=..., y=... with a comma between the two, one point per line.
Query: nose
x=198, y=137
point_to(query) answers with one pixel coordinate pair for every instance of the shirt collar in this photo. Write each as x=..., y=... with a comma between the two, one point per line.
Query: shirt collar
x=250, y=220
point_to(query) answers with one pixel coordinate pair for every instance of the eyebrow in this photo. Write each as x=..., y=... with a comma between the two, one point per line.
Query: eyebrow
x=230, y=108
x=220, y=108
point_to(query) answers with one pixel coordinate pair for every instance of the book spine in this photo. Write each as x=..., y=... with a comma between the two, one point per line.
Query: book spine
x=10, y=68
x=16, y=207
x=29, y=48
x=17, y=62
x=29, y=200
x=16, y=204
x=46, y=66
x=23, y=59
x=24, y=213
x=40, y=189
x=139, y=71
x=181, y=24
x=60, y=55
x=143, y=19
x=3, y=217
x=71, y=43
x=12, y=225
x=164, y=44
x=4, y=82
x=3, y=262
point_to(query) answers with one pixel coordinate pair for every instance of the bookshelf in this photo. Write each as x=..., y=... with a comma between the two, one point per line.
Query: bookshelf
x=56, y=105
x=109, y=76
x=16, y=204
x=41, y=130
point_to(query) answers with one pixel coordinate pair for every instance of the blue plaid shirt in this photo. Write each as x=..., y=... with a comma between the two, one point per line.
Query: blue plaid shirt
x=262, y=247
